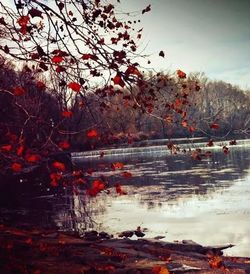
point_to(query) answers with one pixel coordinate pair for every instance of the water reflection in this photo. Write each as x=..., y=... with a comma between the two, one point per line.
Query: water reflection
x=172, y=195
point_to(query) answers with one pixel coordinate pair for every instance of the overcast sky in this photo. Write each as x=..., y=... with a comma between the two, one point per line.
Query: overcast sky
x=212, y=36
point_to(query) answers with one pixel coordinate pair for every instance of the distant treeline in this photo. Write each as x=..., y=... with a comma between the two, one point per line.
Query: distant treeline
x=216, y=108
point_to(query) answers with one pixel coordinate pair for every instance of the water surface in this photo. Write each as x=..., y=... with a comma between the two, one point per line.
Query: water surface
x=174, y=196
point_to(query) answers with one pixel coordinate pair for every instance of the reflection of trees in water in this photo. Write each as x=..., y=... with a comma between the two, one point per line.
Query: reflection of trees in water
x=77, y=213
x=199, y=179
x=156, y=181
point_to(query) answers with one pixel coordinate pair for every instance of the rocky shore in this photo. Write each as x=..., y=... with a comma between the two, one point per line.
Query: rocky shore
x=36, y=251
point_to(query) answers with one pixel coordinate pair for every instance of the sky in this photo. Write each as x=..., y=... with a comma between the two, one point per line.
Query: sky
x=211, y=36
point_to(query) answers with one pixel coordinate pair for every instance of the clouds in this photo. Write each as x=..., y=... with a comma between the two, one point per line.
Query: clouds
x=211, y=36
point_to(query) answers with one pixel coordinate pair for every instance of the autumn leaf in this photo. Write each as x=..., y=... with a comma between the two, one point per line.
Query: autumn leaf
x=2, y=22
x=58, y=165
x=232, y=143
x=67, y=113
x=181, y=74
x=210, y=143
x=97, y=184
x=133, y=70
x=160, y=270
x=40, y=85
x=117, y=165
x=89, y=56
x=20, y=150
x=16, y=167
x=32, y=158
x=18, y=91
x=184, y=123
x=57, y=59
x=60, y=69
x=6, y=148
x=35, y=13
x=126, y=174
x=191, y=129
x=64, y=145
x=162, y=54
x=214, y=126
x=225, y=149
x=147, y=9
x=92, y=133
x=74, y=86
x=23, y=21
x=118, y=81
x=119, y=189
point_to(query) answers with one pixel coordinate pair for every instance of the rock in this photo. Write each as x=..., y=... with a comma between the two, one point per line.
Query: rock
x=158, y=237
x=104, y=235
x=126, y=234
x=139, y=233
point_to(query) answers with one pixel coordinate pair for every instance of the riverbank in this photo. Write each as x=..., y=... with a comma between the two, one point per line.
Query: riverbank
x=41, y=251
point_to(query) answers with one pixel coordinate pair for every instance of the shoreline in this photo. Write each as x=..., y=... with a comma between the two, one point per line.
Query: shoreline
x=39, y=251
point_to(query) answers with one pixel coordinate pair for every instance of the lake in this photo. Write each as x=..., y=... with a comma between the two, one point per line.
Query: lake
x=174, y=196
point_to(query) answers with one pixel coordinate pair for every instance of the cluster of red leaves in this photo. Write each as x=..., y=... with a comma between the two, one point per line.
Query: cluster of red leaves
x=198, y=154
x=97, y=187
x=64, y=145
x=216, y=262
x=117, y=165
x=18, y=91
x=67, y=113
x=58, y=166
x=74, y=86
x=159, y=269
x=214, y=126
x=119, y=189
x=92, y=133
x=23, y=22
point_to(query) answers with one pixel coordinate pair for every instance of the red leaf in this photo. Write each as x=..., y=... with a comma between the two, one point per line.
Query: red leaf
x=214, y=126
x=119, y=189
x=57, y=59
x=184, y=123
x=89, y=56
x=20, y=150
x=64, y=144
x=92, y=133
x=54, y=183
x=35, y=13
x=191, y=129
x=147, y=9
x=118, y=81
x=40, y=85
x=18, y=91
x=55, y=176
x=210, y=143
x=232, y=143
x=97, y=184
x=58, y=165
x=6, y=148
x=60, y=69
x=74, y=86
x=16, y=167
x=117, y=165
x=225, y=150
x=67, y=113
x=32, y=158
x=133, y=70
x=23, y=21
x=126, y=174
x=181, y=74
x=162, y=54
